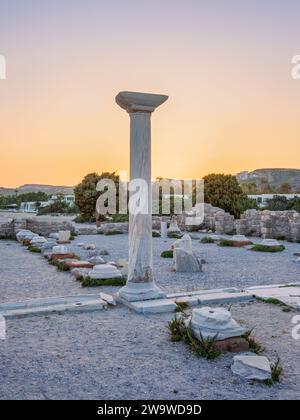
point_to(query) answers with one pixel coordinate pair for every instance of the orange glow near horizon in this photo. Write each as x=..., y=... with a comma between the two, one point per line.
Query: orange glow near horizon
x=232, y=104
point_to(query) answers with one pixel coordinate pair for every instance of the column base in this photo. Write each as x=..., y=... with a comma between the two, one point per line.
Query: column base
x=134, y=292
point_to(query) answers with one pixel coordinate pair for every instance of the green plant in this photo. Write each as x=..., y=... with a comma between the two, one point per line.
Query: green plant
x=265, y=248
x=155, y=234
x=86, y=195
x=181, y=306
x=60, y=265
x=276, y=370
x=273, y=301
x=174, y=235
x=35, y=249
x=254, y=346
x=226, y=242
x=89, y=282
x=225, y=192
x=177, y=328
x=167, y=254
x=207, y=240
x=203, y=347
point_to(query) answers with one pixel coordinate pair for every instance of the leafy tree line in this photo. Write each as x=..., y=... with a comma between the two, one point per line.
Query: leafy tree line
x=221, y=191
x=280, y=203
x=263, y=187
x=17, y=199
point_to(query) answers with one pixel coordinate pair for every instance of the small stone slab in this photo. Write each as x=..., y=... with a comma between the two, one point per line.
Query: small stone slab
x=224, y=297
x=49, y=305
x=155, y=306
x=288, y=294
x=186, y=262
x=79, y=264
x=108, y=298
x=209, y=322
x=62, y=256
x=203, y=292
x=252, y=367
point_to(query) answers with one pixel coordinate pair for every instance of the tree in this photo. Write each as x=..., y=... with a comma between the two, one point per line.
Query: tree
x=224, y=191
x=279, y=203
x=285, y=188
x=86, y=195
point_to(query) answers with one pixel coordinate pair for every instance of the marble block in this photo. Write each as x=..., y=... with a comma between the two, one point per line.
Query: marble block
x=173, y=228
x=96, y=260
x=104, y=271
x=185, y=243
x=60, y=249
x=186, y=262
x=270, y=242
x=164, y=229
x=38, y=241
x=211, y=322
x=252, y=367
x=25, y=234
x=64, y=236
x=241, y=239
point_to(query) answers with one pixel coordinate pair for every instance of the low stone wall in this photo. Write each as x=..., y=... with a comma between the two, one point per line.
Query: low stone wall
x=7, y=229
x=270, y=224
x=10, y=227
x=215, y=219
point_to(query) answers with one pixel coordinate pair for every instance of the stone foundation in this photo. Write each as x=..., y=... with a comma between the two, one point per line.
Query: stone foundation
x=270, y=224
x=10, y=227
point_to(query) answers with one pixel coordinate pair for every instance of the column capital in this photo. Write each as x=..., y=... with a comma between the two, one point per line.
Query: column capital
x=140, y=102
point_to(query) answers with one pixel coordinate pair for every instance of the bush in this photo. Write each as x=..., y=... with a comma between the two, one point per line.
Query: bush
x=264, y=248
x=86, y=195
x=225, y=192
x=59, y=206
x=116, y=281
x=226, y=242
x=32, y=248
x=207, y=240
x=167, y=254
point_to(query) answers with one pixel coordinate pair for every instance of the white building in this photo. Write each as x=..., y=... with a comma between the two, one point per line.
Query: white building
x=262, y=199
x=32, y=206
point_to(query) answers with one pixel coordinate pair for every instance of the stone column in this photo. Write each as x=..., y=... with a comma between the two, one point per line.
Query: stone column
x=140, y=284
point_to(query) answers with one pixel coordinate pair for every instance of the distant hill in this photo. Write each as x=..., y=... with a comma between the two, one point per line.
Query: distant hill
x=274, y=176
x=48, y=189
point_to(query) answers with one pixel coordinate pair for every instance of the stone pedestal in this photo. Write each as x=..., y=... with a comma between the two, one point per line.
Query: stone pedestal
x=211, y=322
x=164, y=229
x=140, y=284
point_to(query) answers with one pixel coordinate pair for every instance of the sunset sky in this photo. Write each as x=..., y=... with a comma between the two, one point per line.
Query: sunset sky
x=226, y=66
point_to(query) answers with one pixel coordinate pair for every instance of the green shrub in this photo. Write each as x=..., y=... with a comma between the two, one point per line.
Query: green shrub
x=60, y=265
x=89, y=282
x=32, y=248
x=175, y=235
x=226, y=242
x=155, y=234
x=253, y=345
x=265, y=248
x=207, y=240
x=167, y=254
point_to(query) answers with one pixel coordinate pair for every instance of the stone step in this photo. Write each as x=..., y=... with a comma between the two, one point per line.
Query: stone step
x=49, y=305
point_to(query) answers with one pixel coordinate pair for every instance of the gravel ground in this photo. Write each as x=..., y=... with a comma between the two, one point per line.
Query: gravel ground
x=91, y=355
x=117, y=354
x=24, y=275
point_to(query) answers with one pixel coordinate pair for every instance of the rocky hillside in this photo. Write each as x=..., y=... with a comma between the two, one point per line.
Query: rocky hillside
x=48, y=189
x=275, y=177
